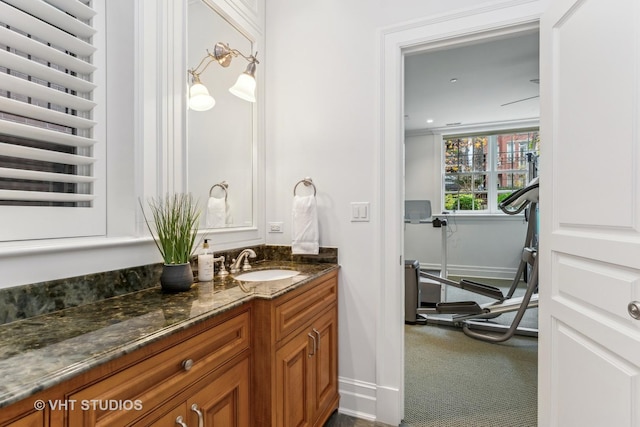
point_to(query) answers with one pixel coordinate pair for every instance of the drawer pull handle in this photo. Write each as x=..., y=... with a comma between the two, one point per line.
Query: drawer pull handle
x=195, y=409
x=187, y=364
x=634, y=309
x=180, y=421
x=313, y=351
x=317, y=332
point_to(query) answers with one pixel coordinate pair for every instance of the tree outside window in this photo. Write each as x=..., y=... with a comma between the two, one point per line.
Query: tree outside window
x=482, y=170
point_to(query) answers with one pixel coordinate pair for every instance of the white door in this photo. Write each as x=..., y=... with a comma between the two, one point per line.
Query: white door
x=589, y=371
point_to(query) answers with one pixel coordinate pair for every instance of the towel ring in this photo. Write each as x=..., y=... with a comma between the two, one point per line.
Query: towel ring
x=222, y=185
x=307, y=182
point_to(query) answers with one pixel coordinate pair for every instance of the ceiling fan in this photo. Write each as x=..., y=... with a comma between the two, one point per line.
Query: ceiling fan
x=536, y=81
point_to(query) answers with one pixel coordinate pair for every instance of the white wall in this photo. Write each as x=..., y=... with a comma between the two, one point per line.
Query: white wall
x=323, y=120
x=422, y=174
x=479, y=246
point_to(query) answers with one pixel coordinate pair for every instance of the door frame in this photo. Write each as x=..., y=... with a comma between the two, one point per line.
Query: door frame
x=488, y=20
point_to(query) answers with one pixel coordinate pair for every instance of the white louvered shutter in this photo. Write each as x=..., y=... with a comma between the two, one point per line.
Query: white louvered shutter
x=52, y=165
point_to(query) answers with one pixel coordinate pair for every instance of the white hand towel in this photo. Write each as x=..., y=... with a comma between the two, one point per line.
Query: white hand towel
x=216, y=212
x=304, y=239
x=229, y=217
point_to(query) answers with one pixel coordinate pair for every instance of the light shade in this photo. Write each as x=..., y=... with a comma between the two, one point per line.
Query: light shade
x=199, y=98
x=245, y=87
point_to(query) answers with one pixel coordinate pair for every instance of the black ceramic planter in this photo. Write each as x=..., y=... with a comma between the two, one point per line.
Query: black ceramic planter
x=176, y=277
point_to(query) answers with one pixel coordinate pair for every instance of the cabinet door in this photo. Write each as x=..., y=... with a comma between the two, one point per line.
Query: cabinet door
x=325, y=361
x=224, y=401
x=172, y=418
x=35, y=419
x=293, y=376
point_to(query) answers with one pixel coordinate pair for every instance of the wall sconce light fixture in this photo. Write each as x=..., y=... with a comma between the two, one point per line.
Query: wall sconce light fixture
x=245, y=86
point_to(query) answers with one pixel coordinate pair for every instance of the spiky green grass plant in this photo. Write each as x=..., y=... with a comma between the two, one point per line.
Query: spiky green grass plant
x=176, y=225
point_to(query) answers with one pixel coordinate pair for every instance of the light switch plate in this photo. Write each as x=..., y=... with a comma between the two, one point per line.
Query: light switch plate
x=360, y=211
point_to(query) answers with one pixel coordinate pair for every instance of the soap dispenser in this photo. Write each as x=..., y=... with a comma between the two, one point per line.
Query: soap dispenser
x=205, y=263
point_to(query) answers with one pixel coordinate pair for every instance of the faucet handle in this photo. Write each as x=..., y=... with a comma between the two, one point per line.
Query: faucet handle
x=246, y=265
x=222, y=271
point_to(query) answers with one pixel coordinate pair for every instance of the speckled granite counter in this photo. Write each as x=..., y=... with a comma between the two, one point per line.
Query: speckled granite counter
x=42, y=351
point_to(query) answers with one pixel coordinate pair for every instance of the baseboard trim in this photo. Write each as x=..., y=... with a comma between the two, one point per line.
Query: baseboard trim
x=357, y=398
x=369, y=401
x=390, y=405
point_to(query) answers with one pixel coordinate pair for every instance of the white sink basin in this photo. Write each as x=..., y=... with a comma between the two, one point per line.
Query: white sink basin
x=265, y=275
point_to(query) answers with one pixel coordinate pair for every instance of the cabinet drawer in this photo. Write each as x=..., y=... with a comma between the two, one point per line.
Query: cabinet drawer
x=134, y=391
x=299, y=308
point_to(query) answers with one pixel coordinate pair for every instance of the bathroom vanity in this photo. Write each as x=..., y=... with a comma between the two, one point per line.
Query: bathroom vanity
x=295, y=356
x=226, y=353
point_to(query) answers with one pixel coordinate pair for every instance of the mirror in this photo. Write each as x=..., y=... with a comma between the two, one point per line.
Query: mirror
x=220, y=141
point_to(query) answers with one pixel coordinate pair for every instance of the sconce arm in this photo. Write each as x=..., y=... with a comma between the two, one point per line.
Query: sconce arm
x=195, y=72
x=223, y=53
x=251, y=58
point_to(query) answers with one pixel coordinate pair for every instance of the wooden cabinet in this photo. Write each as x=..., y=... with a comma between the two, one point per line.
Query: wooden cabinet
x=34, y=419
x=180, y=376
x=295, y=355
x=221, y=401
x=264, y=363
x=225, y=400
x=306, y=373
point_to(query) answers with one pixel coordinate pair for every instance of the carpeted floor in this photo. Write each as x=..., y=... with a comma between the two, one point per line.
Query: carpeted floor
x=452, y=380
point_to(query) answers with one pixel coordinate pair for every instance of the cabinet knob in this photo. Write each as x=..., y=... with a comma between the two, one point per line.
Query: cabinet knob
x=195, y=409
x=180, y=421
x=634, y=309
x=187, y=364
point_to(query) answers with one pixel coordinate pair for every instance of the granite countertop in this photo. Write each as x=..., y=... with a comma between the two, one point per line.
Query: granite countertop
x=42, y=351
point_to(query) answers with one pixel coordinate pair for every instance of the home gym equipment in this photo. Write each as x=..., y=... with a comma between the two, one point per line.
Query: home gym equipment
x=420, y=292
x=465, y=312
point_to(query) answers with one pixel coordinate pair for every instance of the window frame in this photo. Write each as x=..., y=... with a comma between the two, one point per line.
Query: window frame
x=54, y=222
x=491, y=170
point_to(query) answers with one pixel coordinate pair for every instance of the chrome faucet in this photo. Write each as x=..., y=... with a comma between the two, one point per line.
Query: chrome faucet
x=244, y=255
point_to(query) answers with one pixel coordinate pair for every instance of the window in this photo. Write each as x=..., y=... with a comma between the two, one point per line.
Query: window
x=51, y=179
x=482, y=170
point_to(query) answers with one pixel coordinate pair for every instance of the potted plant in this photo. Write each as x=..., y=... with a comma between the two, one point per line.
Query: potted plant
x=175, y=220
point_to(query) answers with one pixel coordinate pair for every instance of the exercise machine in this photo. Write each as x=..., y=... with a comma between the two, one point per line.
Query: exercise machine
x=466, y=312
x=424, y=291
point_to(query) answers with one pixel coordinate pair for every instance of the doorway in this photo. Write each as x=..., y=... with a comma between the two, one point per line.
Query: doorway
x=437, y=33
x=464, y=88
